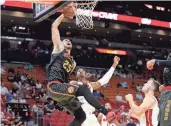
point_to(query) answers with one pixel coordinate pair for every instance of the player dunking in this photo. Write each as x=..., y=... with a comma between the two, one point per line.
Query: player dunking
x=58, y=70
x=148, y=111
x=88, y=109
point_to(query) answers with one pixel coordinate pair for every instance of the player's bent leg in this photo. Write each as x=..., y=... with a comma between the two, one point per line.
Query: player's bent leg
x=63, y=93
x=80, y=117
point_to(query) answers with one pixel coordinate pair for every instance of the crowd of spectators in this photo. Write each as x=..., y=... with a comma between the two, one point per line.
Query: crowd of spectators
x=122, y=84
x=27, y=87
x=98, y=94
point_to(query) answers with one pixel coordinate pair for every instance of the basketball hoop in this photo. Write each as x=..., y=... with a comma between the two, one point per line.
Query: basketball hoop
x=83, y=12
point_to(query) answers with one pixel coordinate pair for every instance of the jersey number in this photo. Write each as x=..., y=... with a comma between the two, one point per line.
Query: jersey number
x=67, y=66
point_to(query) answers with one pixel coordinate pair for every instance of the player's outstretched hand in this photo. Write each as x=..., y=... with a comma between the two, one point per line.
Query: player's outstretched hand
x=68, y=11
x=116, y=61
x=150, y=64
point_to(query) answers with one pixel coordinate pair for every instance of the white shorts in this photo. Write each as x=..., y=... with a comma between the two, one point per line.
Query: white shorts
x=91, y=120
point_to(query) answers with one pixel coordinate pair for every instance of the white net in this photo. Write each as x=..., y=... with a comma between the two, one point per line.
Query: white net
x=83, y=12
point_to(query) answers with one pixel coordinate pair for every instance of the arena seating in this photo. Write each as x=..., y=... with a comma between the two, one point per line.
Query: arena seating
x=58, y=118
x=37, y=72
x=109, y=93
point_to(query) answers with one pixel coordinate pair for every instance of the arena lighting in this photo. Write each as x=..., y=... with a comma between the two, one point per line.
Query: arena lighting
x=28, y=39
x=8, y=37
x=132, y=19
x=160, y=8
x=157, y=7
x=111, y=51
x=78, y=47
x=68, y=33
x=149, y=6
x=105, y=15
x=22, y=28
x=90, y=48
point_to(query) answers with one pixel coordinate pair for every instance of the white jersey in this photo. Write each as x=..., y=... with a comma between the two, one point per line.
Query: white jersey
x=149, y=118
x=86, y=106
x=88, y=109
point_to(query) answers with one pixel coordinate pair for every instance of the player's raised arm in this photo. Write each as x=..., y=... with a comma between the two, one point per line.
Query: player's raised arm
x=58, y=45
x=158, y=63
x=105, y=79
x=154, y=62
x=136, y=110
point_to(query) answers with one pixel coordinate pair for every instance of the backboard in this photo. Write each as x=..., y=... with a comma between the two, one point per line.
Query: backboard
x=43, y=11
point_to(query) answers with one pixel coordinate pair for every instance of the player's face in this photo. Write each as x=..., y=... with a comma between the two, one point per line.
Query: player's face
x=67, y=44
x=147, y=86
x=108, y=106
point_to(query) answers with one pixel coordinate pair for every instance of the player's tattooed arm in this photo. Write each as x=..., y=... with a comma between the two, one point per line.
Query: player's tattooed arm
x=58, y=46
